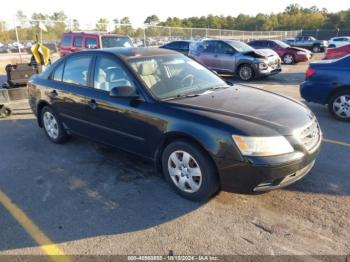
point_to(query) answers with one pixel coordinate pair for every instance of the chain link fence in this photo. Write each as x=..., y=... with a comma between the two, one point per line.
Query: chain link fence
x=19, y=35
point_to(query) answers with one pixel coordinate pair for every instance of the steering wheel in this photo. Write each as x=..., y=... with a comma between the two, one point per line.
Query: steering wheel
x=187, y=80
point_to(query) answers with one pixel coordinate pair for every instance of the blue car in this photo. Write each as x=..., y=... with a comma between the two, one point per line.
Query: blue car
x=328, y=83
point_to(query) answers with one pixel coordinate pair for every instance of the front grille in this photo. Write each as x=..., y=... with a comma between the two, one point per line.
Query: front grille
x=310, y=136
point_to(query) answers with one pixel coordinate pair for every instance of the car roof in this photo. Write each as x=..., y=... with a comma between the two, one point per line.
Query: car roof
x=135, y=52
x=93, y=33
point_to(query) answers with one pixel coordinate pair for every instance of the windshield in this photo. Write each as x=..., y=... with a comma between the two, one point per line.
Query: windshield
x=281, y=44
x=240, y=46
x=116, y=41
x=174, y=76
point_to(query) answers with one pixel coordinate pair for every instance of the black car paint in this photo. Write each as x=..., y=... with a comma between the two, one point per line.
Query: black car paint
x=145, y=125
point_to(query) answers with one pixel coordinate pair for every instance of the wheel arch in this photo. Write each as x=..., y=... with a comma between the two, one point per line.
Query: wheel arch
x=337, y=90
x=172, y=136
x=39, y=108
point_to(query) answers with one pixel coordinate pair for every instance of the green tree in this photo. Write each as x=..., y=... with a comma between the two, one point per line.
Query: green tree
x=152, y=20
x=102, y=25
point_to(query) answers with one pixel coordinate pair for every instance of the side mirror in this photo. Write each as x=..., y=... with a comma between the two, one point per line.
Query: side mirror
x=124, y=92
x=229, y=82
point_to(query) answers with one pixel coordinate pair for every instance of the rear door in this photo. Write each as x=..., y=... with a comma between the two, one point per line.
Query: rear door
x=65, y=45
x=91, y=42
x=208, y=56
x=71, y=80
x=226, y=57
x=77, y=43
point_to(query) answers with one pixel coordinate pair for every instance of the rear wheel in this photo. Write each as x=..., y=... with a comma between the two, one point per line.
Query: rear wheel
x=339, y=106
x=288, y=59
x=189, y=170
x=246, y=72
x=316, y=49
x=53, y=126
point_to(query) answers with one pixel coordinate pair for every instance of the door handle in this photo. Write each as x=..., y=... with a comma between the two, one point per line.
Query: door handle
x=92, y=104
x=53, y=94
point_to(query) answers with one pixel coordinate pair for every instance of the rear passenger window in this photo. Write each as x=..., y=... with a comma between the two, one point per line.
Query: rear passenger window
x=174, y=45
x=109, y=74
x=57, y=74
x=78, y=41
x=210, y=47
x=66, y=40
x=91, y=42
x=76, y=70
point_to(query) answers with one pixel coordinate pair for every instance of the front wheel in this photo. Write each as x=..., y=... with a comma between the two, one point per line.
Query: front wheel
x=53, y=126
x=246, y=72
x=316, y=49
x=189, y=170
x=339, y=106
x=288, y=59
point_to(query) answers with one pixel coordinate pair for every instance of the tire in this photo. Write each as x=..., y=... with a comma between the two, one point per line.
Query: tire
x=52, y=126
x=316, y=49
x=198, y=187
x=339, y=106
x=5, y=111
x=288, y=59
x=246, y=72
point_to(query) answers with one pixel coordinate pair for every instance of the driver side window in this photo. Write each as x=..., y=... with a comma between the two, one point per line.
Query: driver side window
x=110, y=74
x=223, y=48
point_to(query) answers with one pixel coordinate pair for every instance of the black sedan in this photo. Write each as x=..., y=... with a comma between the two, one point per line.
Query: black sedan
x=200, y=132
x=181, y=46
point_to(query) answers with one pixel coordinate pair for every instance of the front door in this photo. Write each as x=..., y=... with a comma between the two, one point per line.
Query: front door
x=119, y=122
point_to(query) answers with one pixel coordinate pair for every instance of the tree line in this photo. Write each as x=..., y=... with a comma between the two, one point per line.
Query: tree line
x=294, y=17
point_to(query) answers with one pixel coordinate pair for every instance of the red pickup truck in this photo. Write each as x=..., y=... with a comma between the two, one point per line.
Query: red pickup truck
x=78, y=41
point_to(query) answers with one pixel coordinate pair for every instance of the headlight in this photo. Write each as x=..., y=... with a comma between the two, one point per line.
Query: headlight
x=262, y=146
x=262, y=66
x=301, y=53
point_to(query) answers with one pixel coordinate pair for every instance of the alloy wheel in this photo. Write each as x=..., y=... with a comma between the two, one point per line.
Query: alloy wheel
x=185, y=171
x=245, y=73
x=341, y=106
x=316, y=49
x=51, y=125
x=288, y=59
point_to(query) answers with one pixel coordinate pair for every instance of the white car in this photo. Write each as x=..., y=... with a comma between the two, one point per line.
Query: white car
x=338, y=41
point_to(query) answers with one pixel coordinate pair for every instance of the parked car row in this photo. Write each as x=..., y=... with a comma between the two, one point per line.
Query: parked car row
x=24, y=47
x=328, y=83
x=308, y=42
x=77, y=41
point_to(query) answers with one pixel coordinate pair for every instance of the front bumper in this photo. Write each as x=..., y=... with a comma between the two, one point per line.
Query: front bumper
x=303, y=57
x=269, y=71
x=266, y=173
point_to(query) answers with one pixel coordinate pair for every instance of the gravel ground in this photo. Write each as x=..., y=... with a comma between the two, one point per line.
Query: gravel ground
x=89, y=199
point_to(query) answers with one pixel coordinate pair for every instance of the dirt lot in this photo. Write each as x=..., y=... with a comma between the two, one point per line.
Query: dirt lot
x=83, y=198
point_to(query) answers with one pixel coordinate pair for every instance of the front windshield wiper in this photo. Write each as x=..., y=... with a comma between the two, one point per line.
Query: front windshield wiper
x=180, y=96
x=218, y=87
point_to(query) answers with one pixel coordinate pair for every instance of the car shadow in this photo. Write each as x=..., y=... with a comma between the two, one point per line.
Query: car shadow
x=80, y=189
x=287, y=78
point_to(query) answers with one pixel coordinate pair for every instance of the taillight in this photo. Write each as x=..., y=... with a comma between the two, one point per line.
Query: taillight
x=309, y=72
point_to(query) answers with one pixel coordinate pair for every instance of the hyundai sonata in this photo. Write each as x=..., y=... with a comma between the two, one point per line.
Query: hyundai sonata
x=201, y=133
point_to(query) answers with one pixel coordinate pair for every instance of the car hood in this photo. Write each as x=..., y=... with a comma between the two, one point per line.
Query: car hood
x=298, y=49
x=257, y=111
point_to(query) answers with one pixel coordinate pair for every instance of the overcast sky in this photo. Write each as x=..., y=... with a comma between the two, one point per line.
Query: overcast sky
x=90, y=10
